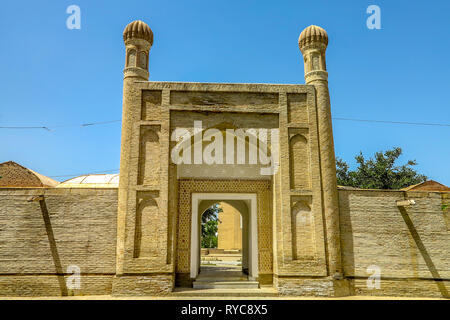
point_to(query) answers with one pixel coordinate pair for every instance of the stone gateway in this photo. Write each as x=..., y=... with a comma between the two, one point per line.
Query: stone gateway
x=187, y=146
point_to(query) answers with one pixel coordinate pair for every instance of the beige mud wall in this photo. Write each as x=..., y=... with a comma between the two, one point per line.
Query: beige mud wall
x=40, y=239
x=229, y=228
x=410, y=245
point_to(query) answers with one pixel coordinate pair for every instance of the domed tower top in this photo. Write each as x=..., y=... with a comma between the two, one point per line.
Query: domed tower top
x=313, y=42
x=138, y=38
x=312, y=35
x=138, y=30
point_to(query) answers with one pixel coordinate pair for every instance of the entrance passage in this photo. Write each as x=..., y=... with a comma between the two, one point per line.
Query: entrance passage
x=224, y=249
x=223, y=235
x=225, y=242
x=256, y=195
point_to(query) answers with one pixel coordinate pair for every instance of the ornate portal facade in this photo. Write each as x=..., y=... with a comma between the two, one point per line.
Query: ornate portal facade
x=265, y=149
x=297, y=210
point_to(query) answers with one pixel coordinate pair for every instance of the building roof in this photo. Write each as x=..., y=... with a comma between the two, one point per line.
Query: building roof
x=429, y=185
x=92, y=181
x=14, y=175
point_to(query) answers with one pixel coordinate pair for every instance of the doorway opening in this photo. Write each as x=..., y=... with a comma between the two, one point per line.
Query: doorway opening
x=224, y=236
x=224, y=240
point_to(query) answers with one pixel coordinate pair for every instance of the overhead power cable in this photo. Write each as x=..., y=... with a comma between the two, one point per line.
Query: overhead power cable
x=45, y=128
x=395, y=122
x=50, y=128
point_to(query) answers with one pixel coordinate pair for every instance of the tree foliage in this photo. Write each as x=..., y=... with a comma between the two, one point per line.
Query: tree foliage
x=209, y=234
x=212, y=213
x=210, y=222
x=379, y=172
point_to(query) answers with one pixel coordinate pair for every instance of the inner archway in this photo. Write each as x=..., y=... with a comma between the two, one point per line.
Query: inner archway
x=245, y=204
x=224, y=237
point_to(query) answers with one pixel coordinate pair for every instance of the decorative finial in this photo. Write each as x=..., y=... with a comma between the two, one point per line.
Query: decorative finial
x=138, y=38
x=311, y=36
x=313, y=42
x=138, y=30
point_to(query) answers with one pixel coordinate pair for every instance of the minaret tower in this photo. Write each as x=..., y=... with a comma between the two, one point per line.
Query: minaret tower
x=138, y=38
x=313, y=43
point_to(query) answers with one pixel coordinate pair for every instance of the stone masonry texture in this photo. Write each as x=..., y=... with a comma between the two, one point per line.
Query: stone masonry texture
x=410, y=248
x=77, y=227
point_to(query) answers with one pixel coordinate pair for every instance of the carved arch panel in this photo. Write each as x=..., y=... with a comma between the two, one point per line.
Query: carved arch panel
x=149, y=156
x=299, y=156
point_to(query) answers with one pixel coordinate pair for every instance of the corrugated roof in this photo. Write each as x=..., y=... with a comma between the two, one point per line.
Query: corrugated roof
x=92, y=181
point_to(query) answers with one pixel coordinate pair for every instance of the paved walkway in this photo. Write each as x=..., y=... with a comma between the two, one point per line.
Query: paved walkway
x=218, y=272
x=222, y=273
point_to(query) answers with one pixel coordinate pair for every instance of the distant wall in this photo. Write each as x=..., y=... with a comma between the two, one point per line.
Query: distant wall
x=39, y=240
x=230, y=227
x=410, y=245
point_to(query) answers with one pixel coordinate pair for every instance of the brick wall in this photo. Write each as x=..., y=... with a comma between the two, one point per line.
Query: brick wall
x=410, y=245
x=41, y=239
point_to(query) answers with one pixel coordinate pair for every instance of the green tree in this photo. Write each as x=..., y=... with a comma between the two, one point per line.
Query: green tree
x=379, y=172
x=210, y=223
x=209, y=234
x=212, y=213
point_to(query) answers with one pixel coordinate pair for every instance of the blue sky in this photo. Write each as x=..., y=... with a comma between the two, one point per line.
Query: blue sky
x=55, y=76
